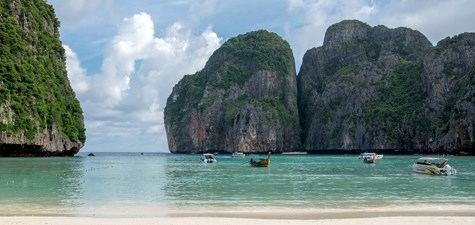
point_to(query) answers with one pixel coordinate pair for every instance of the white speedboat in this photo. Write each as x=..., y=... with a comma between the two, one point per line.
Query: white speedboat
x=208, y=158
x=433, y=166
x=369, y=157
x=238, y=154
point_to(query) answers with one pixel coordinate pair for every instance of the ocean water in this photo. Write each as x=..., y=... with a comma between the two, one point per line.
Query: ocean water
x=177, y=181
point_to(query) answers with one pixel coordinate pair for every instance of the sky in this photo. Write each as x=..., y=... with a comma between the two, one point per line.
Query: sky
x=125, y=56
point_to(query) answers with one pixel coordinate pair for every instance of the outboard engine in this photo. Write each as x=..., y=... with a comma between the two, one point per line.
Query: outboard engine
x=448, y=170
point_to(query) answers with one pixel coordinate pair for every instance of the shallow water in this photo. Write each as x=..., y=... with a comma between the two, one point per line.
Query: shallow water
x=171, y=181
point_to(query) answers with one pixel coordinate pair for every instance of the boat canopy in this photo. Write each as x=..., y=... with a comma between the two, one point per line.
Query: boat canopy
x=208, y=156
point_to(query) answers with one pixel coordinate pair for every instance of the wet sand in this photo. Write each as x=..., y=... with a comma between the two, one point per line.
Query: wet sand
x=213, y=220
x=421, y=214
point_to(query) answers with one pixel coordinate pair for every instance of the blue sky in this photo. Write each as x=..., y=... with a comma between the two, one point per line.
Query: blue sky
x=124, y=56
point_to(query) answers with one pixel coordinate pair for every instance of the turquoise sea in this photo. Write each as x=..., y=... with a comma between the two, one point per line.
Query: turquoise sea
x=176, y=181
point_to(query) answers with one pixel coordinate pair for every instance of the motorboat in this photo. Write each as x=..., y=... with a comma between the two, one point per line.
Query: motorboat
x=369, y=157
x=433, y=166
x=208, y=158
x=238, y=154
x=261, y=162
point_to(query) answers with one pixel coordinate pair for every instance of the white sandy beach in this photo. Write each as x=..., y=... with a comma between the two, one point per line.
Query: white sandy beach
x=24, y=220
x=422, y=214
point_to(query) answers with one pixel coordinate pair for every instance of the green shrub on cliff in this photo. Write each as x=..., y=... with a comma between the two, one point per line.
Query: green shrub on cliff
x=233, y=64
x=33, y=79
x=266, y=49
x=400, y=93
x=247, y=90
x=400, y=106
x=244, y=54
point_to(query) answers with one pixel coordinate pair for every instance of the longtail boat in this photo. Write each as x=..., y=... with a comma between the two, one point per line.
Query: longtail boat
x=260, y=162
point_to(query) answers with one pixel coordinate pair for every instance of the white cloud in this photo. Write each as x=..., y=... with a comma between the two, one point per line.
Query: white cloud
x=201, y=9
x=293, y=4
x=435, y=19
x=127, y=98
x=318, y=15
x=76, y=10
x=132, y=43
x=76, y=74
x=426, y=16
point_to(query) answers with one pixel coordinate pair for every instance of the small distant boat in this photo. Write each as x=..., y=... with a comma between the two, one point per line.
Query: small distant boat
x=369, y=157
x=260, y=162
x=294, y=153
x=238, y=154
x=433, y=166
x=91, y=154
x=208, y=158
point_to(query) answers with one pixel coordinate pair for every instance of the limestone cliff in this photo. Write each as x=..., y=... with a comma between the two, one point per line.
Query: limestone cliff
x=449, y=78
x=39, y=113
x=365, y=88
x=380, y=88
x=245, y=99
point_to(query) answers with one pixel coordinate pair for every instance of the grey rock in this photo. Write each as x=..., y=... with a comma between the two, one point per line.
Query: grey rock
x=245, y=99
x=380, y=88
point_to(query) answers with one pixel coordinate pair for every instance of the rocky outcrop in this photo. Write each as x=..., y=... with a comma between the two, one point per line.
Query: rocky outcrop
x=245, y=99
x=39, y=113
x=380, y=88
x=449, y=75
x=365, y=88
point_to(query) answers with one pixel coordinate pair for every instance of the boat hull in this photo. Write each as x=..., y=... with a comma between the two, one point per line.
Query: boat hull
x=369, y=161
x=209, y=160
x=369, y=157
x=433, y=170
x=238, y=155
x=260, y=163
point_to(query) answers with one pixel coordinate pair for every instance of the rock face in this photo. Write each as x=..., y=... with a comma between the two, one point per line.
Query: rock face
x=379, y=88
x=366, y=88
x=245, y=99
x=39, y=113
x=449, y=74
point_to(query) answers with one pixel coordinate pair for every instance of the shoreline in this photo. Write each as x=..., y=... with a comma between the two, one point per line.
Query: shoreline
x=331, y=213
x=304, y=152
x=438, y=220
x=297, y=152
x=417, y=215
x=285, y=213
